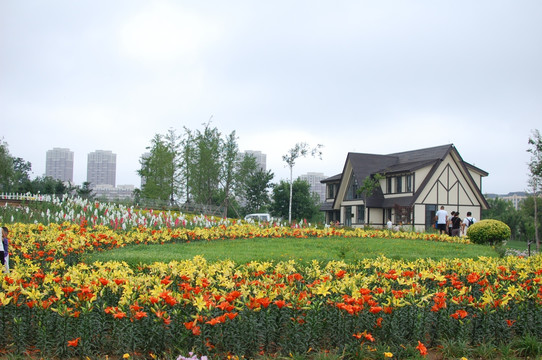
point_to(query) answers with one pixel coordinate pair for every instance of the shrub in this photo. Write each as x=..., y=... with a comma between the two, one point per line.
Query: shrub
x=489, y=232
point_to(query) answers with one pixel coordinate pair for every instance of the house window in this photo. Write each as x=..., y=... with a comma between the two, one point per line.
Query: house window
x=403, y=214
x=331, y=191
x=388, y=185
x=361, y=214
x=408, y=183
x=399, y=184
x=352, y=192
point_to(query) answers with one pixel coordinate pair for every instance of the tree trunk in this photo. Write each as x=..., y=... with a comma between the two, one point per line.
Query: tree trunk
x=537, y=238
x=291, y=192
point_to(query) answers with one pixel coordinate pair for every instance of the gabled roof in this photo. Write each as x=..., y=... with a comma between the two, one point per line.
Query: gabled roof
x=364, y=165
x=333, y=178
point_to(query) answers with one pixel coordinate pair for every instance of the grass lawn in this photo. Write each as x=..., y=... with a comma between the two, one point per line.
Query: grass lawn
x=301, y=250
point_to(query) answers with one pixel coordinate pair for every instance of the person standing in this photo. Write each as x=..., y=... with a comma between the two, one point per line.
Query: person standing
x=468, y=221
x=442, y=219
x=5, y=247
x=4, y=251
x=450, y=223
x=456, y=224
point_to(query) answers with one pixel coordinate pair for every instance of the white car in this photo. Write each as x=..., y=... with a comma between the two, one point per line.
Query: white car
x=258, y=217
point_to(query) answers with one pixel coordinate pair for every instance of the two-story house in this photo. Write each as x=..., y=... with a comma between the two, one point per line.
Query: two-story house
x=413, y=185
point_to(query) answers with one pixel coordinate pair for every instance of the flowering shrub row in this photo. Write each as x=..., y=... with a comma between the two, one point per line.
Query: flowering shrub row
x=53, y=305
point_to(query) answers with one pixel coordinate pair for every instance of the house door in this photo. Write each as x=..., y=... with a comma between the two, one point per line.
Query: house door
x=348, y=216
x=430, y=212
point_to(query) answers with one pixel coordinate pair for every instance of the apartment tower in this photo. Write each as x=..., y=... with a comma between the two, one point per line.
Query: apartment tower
x=59, y=164
x=101, y=168
x=261, y=159
x=314, y=178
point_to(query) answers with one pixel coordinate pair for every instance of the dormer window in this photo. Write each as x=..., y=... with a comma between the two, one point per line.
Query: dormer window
x=399, y=184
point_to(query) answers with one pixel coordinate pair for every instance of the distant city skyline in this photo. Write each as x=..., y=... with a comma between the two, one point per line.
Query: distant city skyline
x=59, y=165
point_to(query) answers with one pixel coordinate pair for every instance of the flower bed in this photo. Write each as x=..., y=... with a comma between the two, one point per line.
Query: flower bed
x=53, y=305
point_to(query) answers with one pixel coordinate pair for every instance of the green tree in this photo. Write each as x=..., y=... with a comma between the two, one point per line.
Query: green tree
x=503, y=210
x=160, y=169
x=257, y=187
x=21, y=176
x=85, y=191
x=253, y=185
x=299, y=150
x=304, y=204
x=204, y=165
x=535, y=180
x=230, y=165
x=47, y=185
x=368, y=186
x=527, y=226
x=6, y=167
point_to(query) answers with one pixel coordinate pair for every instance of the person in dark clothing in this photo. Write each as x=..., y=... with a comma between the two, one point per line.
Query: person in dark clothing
x=5, y=248
x=456, y=224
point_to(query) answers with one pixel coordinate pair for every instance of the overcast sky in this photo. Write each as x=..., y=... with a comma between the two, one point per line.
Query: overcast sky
x=365, y=76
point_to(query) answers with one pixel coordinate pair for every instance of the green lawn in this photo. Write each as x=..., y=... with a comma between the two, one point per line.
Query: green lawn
x=303, y=250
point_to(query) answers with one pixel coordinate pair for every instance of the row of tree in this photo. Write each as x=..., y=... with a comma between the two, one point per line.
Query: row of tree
x=205, y=167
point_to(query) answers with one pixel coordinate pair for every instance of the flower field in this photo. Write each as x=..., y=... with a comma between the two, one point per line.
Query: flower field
x=53, y=305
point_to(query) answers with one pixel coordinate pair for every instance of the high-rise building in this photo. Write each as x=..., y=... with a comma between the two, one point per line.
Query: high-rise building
x=59, y=164
x=261, y=159
x=101, y=168
x=314, y=178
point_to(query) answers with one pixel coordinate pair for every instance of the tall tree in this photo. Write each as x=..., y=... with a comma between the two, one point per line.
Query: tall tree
x=204, y=165
x=535, y=179
x=159, y=169
x=305, y=205
x=230, y=165
x=257, y=187
x=299, y=150
x=528, y=219
x=252, y=185
x=6, y=167
x=21, y=175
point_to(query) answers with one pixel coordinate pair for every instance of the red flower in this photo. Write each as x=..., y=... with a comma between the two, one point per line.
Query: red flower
x=74, y=342
x=231, y=315
x=140, y=315
x=196, y=330
x=280, y=303
x=119, y=315
x=473, y=277
x=421, y=348
x=135, y=307
x=264, y=302
x=510, y=322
